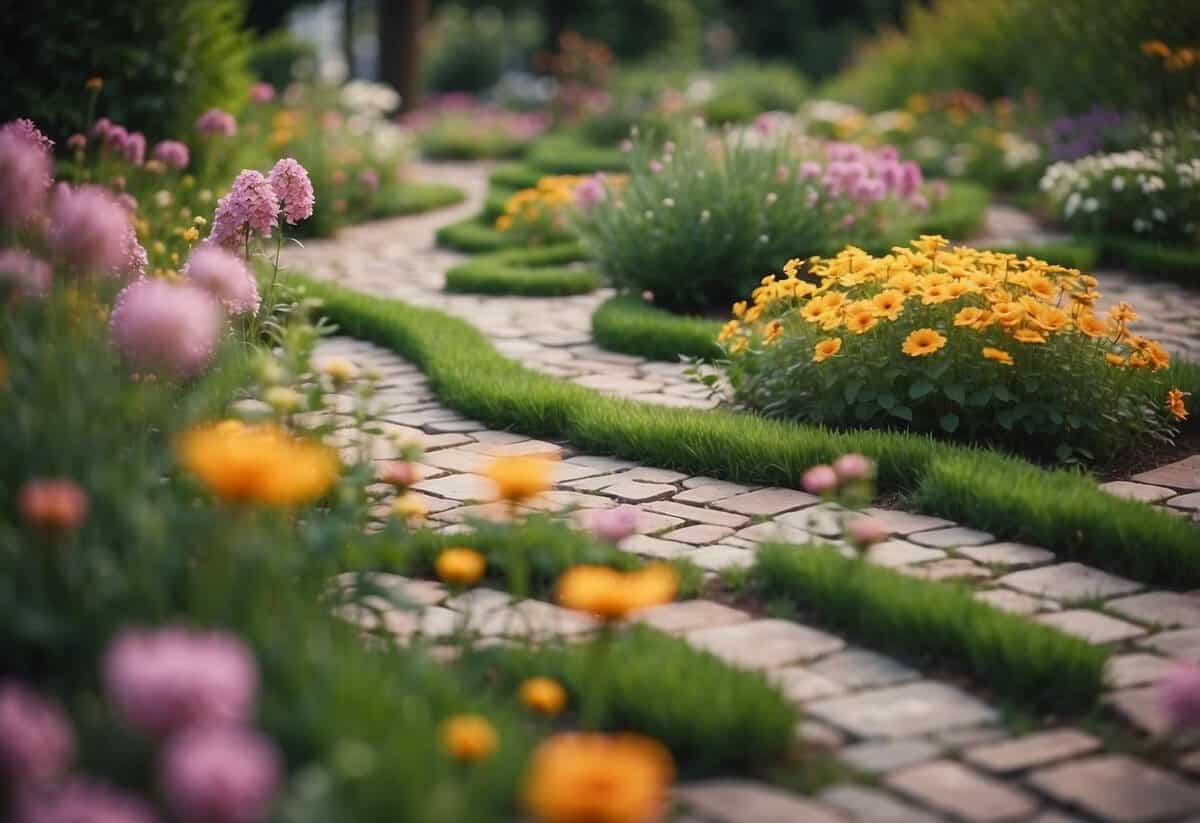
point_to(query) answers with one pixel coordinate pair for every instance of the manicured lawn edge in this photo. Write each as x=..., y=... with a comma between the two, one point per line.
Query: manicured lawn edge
x=515, y=176
x=565, y=154
x=412, y=198
x=626, y=323
x=487, y=275
x=474, y=235
x=1177, y=263
x=1034, y=665
x=1062, y=510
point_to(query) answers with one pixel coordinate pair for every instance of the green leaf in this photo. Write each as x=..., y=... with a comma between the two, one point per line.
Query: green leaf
x=886, y=401
x=981, y=397
x=1064, y=452
x=903, y=412
x=850, y=392
x=956, y=393
x=949, y=422
x=919, y=389
x=1002, y=393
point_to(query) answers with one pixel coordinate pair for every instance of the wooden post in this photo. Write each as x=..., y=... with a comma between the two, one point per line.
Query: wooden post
x=399, y=25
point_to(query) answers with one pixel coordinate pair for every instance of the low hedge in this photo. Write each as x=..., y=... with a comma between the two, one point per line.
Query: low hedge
x=473, y=235
x=566, y=154
x=628, y=324
x=412, y=198
x=1175, y=263
x=515, y=176
x=488, y=275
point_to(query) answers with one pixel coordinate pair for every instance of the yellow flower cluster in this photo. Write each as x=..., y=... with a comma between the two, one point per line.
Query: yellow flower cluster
x=1173, y=59
x=546, y=200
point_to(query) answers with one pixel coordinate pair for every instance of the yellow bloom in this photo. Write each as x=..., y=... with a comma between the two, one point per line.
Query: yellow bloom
x=1123, y=313
x=1049, y=318
x=1091, y=325
x=826, y=349
x=728, y=330
x=339, y=369
x=543, y=695
x=1175, y=403
x=861, y=320
x=922, y=342
x=521, y=477
x=587, y=777
x=409, y=507
x=888, y=303
x=930, y=244
x=468, y=737
x=461, y=566
x=1043, y=287
x=753, y=313
x=968, y=316
x=739, y=308
x=813, y=310
x=904, y=282
x=738, y=346
x=258, y=464
x=94, y=84
x=190, y=235
x=611, y=594
x=998, y=356
x=772, y=331
x=1027, y=335
x=1114, y=359
x=1008, y=314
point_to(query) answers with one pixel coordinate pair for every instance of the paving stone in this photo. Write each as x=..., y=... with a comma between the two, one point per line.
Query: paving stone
x=867, y=804
x=559, y=499
x=1014, y=602
x=952, y=537
x=617, y=384
x=1007, y=554
x=902, y=553
x=655, y=547
x=1068, y=581
x=902, y=523
x=1186, y=502
x=1032, y=750
x=720, y=557
x=602, y=464
x=1118, y=787
x=701, y=534
x=686, y=615
x=698, y=515
x=1135, y=669
x=767, y=501
x=650, y=474
x=917, y=708
x=1092, y=626
x=495, y=512
x=962, y=792
x=1166, y=609
x=592, y=483
x=1137, y=491
x=745, y=801
x=860, y=669
x=971, y=736
x=459, y=487
x=764, y=644
x=819, y=734
x=1140, y=707
x=877, y=756
x=800, y=685
x=824, y=520
x=774, y=531
x=950, y=569
x=709, y=492
x=535, y=620
x=1178, y=643
x=1183, y=474
x=636, y=491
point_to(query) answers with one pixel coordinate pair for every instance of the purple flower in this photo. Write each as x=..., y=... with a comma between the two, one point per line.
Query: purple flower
x=853, y=467
x=28, y=131
x=590, y=191
x=1179, y=695
x=215, y=121
x=36, y=742
x=369, y=178
x=251, y=205
x=24, y=178
x=655, y=166
x=172, y=153
x=262, y=93
x=165, y=680
x=166, y=328
x=225, y=277
x=115, y=137
x=24, y=274
x=101, y=128
x=819, y=479
x=89, y=229
x=134, y=149
x=810, y=170
x=294, y=189
x=135, y=258
x=614, y=525
x=224, y=774
x=82, y=802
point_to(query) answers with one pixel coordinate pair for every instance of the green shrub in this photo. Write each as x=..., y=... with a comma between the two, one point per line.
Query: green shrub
x=628, y=324
x=467, y=50
x=749, y=89
x=513, y=176
x=280, y=58
x=1174, y=262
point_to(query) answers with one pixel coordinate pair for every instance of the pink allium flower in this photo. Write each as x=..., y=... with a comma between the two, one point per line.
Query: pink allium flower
x=294, y=189
x=369, y=178
x=614, y=525
x=1179, y=695
x=134, y=149
x=89, y=229
x=52, y=503
x=819, y=479
x=867, y=531
x=24, y=274
x=24, y=178
x=250, y=205
x=224, y=276
x=225, y=774
x=115, y=137
x=165, y=680
x=136, y=259
x=36, y=742
x=217, y=122
x=590, y=191
x=167, y=328
x=655, y=166
x=669, y=147
x=77, y=142
x=910, y=179
x=262, y=93
x=848, y=221
x=173, y=154
x=101, y=128
x=853, y=467
x=82, y=802
x=810, y=169
x=28, y=131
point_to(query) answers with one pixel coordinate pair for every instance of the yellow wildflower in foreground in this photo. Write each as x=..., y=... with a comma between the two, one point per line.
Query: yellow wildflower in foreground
x=468, y=737
x=409, y=507
x=543, y=695
x=579, y=777
x=339, y=369
x=1175, y=403
x=519, y=478
x=611, y=594
x=460, y=565
x=923, y=342
x=258, y=464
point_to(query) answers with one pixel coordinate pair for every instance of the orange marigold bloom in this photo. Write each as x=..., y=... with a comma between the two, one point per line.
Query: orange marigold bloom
x=460, y=565
x=861, y=320
x=1008, y=313
x=1114, y=359
x=968, y=316
x=1091, y=325
x=1027, y=335
x=1123, y=313
x=611, y=594
x=922, y=342
x=888, y=303
x=1175, y=403
x=997, y=355
x=521, y=477
x=826, y=349
x=772, y=331
x=543, y=695
x=468, y=737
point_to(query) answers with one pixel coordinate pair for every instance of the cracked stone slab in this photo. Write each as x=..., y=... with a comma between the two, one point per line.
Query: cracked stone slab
x=1166, y=609
x=686, y=615
x=764, y=644
x=767, y=501
x=1068, y=581
x=1092, y=626
x=860, y=669
x=906, y=710
x=1118, y=787
x=1007, y=554
x=745, y=801
x=962, y=792
x=1039, y=749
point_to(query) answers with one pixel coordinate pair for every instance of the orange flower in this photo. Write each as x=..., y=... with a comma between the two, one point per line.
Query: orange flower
x=888, y=303
x=1175, y=403
x=1123, y=313
x=826, y=349
x=997, y=355
x=860, y=320
x=922, y=342
x=1028, y=336
x=968, y=316
x=1008, y=313
x=460, y=565
x=468, y=737
x=543, y=695
x=1114, y=359
x=772, y=331
x=519, y=478
x=611, y=594
x=1091, y=325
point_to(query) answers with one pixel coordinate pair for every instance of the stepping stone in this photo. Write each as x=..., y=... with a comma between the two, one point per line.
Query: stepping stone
x=655, y=547
x=859, y=669
x=1137, y=491
x=1179, y=643
x=709, y=492
x=878, y=756
x=824, y=520
x=1186, y=502
x=775, y=532
x=902, y=523
x=1166, y=609
x=603, y=464
x=1118, y=787
x=701, y=534
x=949, y=569
x=768, y=501
x=952, y=537
x=721, y=557
x=1092, y=626
x=1015, y=602
x=764, y=644
x=1032, y=750
x=1007, y=554
x=962, y=792
x=894, y=553
x=745, y=801
x=633, y=491
x=523, y=448
x=1068, y=581
x=1140, y=706
x=686, y=615
x=866, y=804
x=698, y=515
x=1183, y=474
x=459, y=487
x=799, y=685
x=917, y=708
x=1135, y=669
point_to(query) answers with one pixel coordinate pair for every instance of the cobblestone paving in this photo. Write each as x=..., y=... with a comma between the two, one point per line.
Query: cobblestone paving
x=940, y=753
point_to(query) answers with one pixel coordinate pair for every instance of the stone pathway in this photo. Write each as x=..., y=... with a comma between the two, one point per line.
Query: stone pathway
x=940, y=752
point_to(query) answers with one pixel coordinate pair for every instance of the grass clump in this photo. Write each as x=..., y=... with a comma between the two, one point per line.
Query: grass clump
x=473, y=235
x=565, y=154
x=515, y=176
x=628, y=324
x=487, y=275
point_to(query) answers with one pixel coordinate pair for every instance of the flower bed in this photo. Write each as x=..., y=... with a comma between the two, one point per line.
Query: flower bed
x=459, y=127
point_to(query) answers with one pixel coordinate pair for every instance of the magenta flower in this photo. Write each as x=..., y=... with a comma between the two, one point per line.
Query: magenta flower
x=82, y=802
x=1179, y=695
x=89, y=229
x=115, y=137
x=165, y=680
x=135, y=258
x=101, y=128
x=172, y=153
x=217, y=122
x=262, y=93
x=166, y=328
x=36, y=742
x=225, y=277
x=626, y=145
x=251, y=206
x=28, y=131
x=590, y=191
x=853, y=467
x=24, y=178
x=655, y=166
x=225, y=774
x=614, y=525
x=294, y=189
x=819, y=479
x=26, y=275
x=134, y=149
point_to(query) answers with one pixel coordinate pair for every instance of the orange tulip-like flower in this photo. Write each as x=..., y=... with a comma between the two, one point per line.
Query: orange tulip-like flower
x=997, y=356
x=469, y=737
x=519, y=478
x=461, y=566
x=1175, y=404
x=826, y=349
x=611, y=594
x=543, y=695
x=922, y=342
x=258, y=464
x=579, y=777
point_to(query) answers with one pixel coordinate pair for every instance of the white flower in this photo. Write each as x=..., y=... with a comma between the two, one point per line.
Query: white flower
x=649, y=215
x=668, y=202
x=1118, y=183
x=771, y=198
x=705, y=215
x=162, y=197
x=1091, y=204
x=1072, y=204
x=1159, y=215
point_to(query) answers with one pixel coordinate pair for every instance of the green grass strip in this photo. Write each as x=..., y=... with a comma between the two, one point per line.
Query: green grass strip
x=1174, y=262
x=1062, y=510
x=473, y=235
x=1033, y=664
x=487, y=275
x=515, y=176
x=626, y=323
x=564, y=154
x=411, y=198
x=554, y=254
x=1072, y=254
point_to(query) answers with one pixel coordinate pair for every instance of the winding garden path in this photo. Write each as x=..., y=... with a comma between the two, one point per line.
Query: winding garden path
x=939, y=751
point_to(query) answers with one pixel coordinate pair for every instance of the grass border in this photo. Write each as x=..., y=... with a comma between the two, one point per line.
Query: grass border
x=1059, y=509
x=626, y=323
x=488, y=274
x=1181, y=265
x=473, y=235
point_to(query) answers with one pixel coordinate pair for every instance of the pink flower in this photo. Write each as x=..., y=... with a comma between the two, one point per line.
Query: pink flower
x=262, y=93
x=222, y=774
x=136, y=260
x=910, y=179
x=782, y=173
x=669, y=147
x=225, y=277
x=590, y=191
x=217, y=122
x=369, y=178
x=167, y=328
x=101, y=128
x=77, y=142
x=165, y=680
x=1179, y=695
x=134, y=149
x=655, y=166
x=810, y=169
x=627, y=145
x=52, y=504
x=614, y=525
x=28, y=131
x=251, y=205
x=89, y=229
x=853, y=467
x=294, y=189
x=867, y=531
x=81, y=801
x=36, y=742
x=24, y=178
x=24, y=274
x=172, y=153
x=115, y=137
x=819, y=479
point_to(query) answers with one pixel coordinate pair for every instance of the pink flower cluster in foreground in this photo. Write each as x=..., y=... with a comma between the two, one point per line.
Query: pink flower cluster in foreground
x=224, y=276
x=293, y=188
x=252, y=206
x=166, y=328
